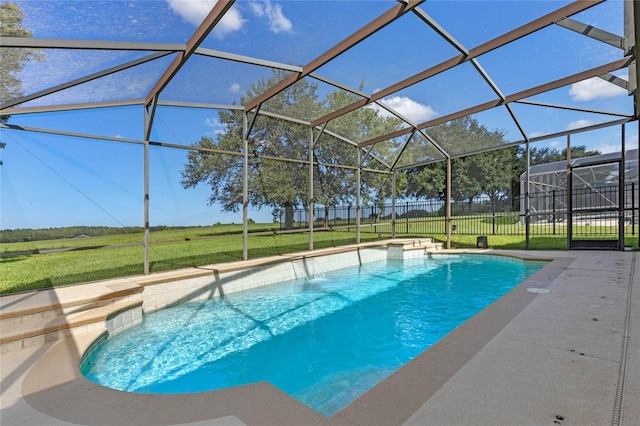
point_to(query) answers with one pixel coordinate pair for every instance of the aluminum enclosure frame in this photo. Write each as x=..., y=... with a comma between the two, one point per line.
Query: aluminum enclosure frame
x=562, y=17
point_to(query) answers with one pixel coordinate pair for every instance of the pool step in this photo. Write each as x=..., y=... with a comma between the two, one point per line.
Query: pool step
x=357, y=389
x=333, y=393
x=29, y=319
x=426, y=244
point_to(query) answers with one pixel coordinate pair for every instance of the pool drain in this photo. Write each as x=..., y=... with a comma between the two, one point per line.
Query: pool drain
x=538, y=290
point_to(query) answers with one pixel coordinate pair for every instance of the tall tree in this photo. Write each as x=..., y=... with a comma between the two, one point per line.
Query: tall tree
x=278, y=184
x=333, y=184
x=283, y=185
x=473, y=175
x=13, y=59
x=540, y=155
x=428, y=181
x=496, y=172
x=359, y=125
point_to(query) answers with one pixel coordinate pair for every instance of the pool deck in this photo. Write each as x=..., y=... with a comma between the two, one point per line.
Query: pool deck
x=569, y=356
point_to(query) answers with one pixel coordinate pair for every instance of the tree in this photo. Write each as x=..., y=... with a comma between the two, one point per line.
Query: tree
x=497, y=170
x=358, y=125
x=428, y=181
x=473, y=175
x=494, y=173
x=278, y=184
x=283, y=185
x=548, y=155
x=333, y=184
x=13, y=59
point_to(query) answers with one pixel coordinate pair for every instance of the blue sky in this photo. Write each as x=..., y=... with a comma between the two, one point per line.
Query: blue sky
x=50, y=181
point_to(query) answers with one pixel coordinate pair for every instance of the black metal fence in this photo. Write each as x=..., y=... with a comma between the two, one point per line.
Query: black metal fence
x=484, y=216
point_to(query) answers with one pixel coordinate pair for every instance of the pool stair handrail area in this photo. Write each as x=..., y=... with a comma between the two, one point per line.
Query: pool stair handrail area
x=34, y=318
x=425, y=244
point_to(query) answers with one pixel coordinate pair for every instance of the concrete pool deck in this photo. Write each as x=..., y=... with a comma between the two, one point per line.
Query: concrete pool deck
x=569, y=356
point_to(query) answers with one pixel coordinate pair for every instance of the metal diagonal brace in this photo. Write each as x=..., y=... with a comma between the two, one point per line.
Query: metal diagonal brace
x=203, y=30
x=594, y=72
x=366, y=31
x=531, y=27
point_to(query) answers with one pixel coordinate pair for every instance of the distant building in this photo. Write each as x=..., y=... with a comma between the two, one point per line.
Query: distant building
x=595, y=183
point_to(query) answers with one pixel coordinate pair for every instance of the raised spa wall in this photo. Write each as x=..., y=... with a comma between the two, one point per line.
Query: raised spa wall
x=160, y=295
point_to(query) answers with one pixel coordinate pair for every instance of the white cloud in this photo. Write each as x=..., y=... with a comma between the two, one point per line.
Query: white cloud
x=578, y=124
x=212, y=122
x=218, y=127
x=256, y=8
x=194, y=12
x=234, y=88
x=414, y=111
x=231, y=22
x=278, y=23
x=606, y=148
x=594, y=88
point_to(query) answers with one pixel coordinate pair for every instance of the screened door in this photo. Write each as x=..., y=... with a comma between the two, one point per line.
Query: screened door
x=596, y=216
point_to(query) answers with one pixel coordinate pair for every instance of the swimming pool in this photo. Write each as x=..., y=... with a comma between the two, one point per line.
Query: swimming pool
x=325, y=340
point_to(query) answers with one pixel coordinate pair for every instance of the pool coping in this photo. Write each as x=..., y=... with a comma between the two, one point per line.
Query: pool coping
x=55, y=386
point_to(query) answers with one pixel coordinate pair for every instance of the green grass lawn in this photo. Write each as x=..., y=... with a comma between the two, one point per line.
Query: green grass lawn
x=198, y=246
x=30, y=272
x=510, y=242
x=168, y=235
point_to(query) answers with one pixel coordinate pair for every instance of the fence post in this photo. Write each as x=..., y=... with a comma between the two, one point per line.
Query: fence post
x=493, y=216
x=553, y=209
x=406, y=216
x=633, y=208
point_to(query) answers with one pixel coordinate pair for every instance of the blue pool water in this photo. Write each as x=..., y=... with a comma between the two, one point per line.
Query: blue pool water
x=325, y=341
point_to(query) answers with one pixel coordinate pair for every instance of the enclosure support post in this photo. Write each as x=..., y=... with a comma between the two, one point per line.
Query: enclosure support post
x=447, y=213
x=358, y=196
x=569, y=195
x=527, y=197
x=146, y=207
x=633, y=208
x=147, y=135
x=493, y=216
x=635, y=14
x=406, y=217
x=393, y=205
x=622, y=202
x=310, y=204
x=553, y=209
x=245, y=186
